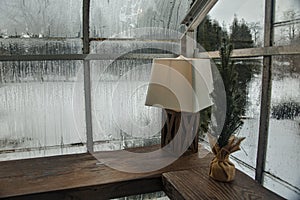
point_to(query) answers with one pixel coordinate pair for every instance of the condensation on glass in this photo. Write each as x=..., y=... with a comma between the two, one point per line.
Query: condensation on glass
x=287, y=23
x=42, y=46
x=111, y=19
x=40, y=18
x=120, y=48
x=42, y=108
x=250, y=79
x=34, y=27
x=120, y=117
x=284, y=9
x=282, y=161
x=225, y=11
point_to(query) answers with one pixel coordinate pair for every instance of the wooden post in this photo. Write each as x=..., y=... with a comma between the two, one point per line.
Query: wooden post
x=182, y=123
x=87, y=76
x=188, y=44
x=265, y=95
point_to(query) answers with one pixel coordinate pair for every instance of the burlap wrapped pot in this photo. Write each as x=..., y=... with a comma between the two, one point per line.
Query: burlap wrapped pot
x=221, y=169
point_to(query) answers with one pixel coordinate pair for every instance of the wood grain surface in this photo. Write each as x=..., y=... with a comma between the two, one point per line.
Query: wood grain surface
x=80, y=177
x=196, y=184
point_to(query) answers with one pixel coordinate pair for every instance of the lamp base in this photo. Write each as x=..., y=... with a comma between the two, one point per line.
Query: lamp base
x=184, y=127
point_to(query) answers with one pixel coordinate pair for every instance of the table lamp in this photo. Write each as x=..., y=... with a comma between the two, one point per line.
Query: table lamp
x=182, y=87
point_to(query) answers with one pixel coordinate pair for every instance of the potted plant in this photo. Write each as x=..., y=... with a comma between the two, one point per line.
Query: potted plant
x=221, y=169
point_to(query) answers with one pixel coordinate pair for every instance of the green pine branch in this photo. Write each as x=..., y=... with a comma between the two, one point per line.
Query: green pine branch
x=234, y=97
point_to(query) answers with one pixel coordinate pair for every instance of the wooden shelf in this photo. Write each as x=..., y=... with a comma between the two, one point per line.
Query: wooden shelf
x=80, y=177
x=196, y=184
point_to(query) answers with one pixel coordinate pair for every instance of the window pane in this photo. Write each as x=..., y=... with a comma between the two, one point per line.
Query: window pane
x=283, y=161
x=119, y=113
x=285, y=9
x=37, y=104
x=287, y=34
x=43, y=46
x=111, y=18
x=287, y=22
x=40, y=18
x=29, y=27
x=244, y=28
x=126, y=46
x=250, y=78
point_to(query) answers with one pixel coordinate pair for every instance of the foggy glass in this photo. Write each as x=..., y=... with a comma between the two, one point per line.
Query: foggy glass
x=29, y=27
x=287, y=22
x=120, y=116
x=282, y=160
x=40, y=18
x=34, y=46
x=42, y=108
x=287, y=34
x=286, y=10
x=225, y=11
x=252, y=77
x=124, y=47
x=110, y=18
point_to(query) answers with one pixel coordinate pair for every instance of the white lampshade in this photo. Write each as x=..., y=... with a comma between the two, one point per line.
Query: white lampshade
x=180, y=84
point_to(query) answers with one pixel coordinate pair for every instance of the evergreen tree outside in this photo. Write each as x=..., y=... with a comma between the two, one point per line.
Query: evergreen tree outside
x=240, y=35
x=210, y=34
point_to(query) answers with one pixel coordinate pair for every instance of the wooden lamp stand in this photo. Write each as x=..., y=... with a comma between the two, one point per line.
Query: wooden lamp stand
x=183, y=124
